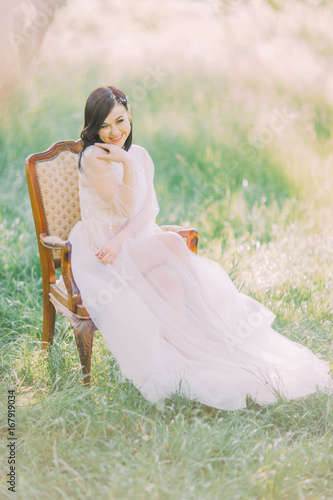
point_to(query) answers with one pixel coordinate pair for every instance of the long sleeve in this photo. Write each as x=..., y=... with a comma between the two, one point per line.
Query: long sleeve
x=150, y=208
x=107, y=181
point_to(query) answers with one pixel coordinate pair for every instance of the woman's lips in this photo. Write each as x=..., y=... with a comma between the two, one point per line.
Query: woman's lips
x=117, y=139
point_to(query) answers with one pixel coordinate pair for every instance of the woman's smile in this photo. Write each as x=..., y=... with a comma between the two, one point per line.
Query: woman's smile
x=117, y=139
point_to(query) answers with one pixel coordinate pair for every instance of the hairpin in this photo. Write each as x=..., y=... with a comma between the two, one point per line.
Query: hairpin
x=121, y=100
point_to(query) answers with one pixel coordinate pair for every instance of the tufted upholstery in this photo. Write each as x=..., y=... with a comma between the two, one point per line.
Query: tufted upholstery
x=58, y=181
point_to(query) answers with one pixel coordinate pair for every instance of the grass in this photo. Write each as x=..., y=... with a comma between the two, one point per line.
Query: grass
x=261, y=199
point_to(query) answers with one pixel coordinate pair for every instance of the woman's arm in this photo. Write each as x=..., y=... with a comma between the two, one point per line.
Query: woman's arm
x=150, y=208
x=116, y=193
x=142, y=219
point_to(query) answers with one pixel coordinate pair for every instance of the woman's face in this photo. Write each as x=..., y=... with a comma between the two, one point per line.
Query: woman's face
x=117, y=126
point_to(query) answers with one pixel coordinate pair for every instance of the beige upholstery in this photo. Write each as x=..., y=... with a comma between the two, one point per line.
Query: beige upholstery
x=58, y=181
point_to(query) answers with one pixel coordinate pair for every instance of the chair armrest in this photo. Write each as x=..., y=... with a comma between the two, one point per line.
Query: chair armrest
x=191, y=235
x=54, y=242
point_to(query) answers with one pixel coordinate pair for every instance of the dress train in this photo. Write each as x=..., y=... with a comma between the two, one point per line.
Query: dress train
x=174, y=319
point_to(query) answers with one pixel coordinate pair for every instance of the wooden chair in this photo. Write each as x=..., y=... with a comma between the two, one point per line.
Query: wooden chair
x=54, y=193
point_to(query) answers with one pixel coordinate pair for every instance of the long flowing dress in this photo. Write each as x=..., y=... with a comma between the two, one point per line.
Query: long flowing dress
x=174, y=320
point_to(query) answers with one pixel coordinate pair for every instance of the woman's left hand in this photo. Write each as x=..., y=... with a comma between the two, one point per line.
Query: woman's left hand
x=110, y=250
x=112, y=152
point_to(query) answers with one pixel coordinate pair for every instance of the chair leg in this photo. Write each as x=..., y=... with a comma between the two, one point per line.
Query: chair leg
x=48, y=322
x=84, y=336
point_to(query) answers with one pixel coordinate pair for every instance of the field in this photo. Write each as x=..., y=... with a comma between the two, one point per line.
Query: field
x=234, y=102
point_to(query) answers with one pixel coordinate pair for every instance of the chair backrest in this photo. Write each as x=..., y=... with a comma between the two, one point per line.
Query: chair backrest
x=53, y=181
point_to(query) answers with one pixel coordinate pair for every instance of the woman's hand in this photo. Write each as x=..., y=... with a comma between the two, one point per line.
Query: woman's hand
x=110, y=250
x=111, y=152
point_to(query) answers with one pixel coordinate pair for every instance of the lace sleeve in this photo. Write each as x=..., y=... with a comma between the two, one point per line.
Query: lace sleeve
x=147, y=215
x=107, y=181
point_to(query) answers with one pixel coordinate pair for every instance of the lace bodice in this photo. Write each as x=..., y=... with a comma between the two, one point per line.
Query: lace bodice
x=94, y=209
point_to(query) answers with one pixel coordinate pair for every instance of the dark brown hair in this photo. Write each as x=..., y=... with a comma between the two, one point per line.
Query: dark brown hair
x=99, y=104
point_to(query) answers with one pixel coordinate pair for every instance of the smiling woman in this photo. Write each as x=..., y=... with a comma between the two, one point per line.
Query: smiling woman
x=107, y=117
x=117, y=126
x=171, y=318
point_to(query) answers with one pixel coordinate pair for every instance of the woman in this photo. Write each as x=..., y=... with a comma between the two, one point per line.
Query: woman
x=173, y=320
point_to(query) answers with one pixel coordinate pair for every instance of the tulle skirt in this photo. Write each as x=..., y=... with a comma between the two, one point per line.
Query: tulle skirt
x=175, y=322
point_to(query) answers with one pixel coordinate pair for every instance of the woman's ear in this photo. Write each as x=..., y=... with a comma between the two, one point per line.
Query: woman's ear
x=129, y=113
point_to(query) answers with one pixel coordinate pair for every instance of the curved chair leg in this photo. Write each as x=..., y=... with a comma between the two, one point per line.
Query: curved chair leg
x=84, y=330
x=49, y=314
x=84, y=336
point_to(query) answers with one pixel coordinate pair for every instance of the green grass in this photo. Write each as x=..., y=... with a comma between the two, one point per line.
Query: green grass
x=263, y=212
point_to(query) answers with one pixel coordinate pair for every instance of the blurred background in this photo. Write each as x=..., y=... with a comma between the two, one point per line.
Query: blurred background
x=232, y=99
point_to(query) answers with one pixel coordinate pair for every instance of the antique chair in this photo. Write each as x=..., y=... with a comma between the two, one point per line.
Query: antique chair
x=53, y=187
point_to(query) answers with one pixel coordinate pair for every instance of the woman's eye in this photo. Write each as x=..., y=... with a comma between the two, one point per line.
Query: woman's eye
x=119, y=121
x=104, y=126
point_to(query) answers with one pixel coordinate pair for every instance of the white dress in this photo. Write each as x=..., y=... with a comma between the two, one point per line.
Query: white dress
x=174, y=320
